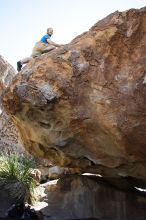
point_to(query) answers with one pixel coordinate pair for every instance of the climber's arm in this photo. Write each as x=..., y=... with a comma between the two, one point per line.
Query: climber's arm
x=53, y=43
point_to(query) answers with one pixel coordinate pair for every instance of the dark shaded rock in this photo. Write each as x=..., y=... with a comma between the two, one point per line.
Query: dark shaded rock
x=30, y=214
x=82, y=197
x=85, y=219
x=16, y=210
x=6, y=201
x=22, y=212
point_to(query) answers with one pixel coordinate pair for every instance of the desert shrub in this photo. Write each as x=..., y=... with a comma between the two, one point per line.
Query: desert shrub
x=15, y=176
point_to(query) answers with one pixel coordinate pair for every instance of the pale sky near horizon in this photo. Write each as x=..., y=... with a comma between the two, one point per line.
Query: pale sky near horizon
x=24, y=22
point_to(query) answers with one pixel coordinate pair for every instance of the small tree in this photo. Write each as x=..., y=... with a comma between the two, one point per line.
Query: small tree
x=15, y=177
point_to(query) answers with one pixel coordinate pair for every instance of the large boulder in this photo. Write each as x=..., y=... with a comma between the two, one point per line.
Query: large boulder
x=84, y=104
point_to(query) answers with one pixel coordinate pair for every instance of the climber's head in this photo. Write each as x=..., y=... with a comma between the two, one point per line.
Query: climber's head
x=50, y=31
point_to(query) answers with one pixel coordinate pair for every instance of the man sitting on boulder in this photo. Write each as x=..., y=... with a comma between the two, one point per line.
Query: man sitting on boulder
x=43, y=46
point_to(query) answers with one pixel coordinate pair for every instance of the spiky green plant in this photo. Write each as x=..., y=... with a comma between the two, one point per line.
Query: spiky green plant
x=15, y=176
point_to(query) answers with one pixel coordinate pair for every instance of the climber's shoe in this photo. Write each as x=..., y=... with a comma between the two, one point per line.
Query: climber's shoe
x=19, y=66
x=45, y=51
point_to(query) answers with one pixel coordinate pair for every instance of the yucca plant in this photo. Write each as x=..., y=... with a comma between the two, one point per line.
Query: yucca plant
x=15, y=176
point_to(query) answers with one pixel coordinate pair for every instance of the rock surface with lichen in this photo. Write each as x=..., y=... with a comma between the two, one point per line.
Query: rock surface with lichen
x=10, y=140
x=83, y=105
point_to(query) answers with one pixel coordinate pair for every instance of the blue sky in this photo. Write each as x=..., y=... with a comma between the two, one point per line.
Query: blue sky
x=23, y=22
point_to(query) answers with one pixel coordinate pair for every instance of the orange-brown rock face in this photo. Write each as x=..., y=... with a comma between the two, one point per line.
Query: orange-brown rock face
x=84, y=105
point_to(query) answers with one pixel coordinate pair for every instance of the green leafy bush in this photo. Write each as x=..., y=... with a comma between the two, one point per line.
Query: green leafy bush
x=15, y=176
